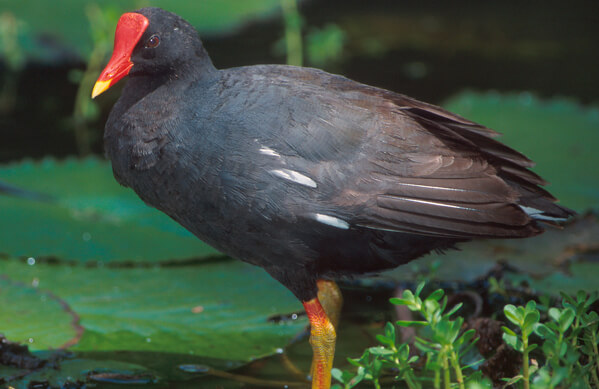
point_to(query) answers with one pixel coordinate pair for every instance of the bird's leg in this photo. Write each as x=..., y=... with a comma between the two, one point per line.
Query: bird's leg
x=323, y=321
x=331, y=299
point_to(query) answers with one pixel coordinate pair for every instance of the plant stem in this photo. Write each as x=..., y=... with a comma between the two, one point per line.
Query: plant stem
x=407, y=372
x=525, y=361
x=293, y=33
x=595, y=378
x=458, y=370
x=437, y=382
x=411, y=384
x=594, y=341
x=446, y=375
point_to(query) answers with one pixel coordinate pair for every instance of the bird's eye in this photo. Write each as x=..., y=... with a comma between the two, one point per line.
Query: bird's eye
x=153, y=42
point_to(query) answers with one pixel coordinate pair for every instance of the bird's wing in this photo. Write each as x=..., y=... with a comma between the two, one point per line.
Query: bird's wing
x=385, y=161
x=356, y=156
x=425, y=170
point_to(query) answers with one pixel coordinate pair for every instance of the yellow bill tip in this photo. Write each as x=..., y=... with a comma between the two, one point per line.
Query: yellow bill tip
x=100, y=87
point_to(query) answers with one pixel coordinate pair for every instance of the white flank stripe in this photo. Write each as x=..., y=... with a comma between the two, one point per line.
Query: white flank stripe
x=268, y=151
x=538, y=214
x=294, y=176
x=331, y=221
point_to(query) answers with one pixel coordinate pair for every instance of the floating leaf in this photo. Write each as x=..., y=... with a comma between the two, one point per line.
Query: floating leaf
x=219, y=309
x=91, y=217
x=559, y=135
x=34, y=317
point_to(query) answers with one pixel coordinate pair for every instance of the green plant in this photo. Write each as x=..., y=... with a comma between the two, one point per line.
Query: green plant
x=527, y=319
x=568, y=356
x=85, y=111
x=569, y=343
x=374, y=359
x=442, y=340
x=12, y=57
x=293, y=32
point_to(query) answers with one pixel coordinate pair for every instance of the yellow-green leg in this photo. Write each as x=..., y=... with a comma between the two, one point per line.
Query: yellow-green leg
x=323, y=313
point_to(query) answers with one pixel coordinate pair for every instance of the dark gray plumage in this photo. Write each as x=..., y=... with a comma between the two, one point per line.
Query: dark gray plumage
x=308, y=174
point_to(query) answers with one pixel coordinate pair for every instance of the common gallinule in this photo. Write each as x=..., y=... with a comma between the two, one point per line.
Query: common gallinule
x=310, y=175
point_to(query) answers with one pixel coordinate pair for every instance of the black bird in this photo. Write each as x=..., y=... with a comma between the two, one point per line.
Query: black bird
x=307, y=174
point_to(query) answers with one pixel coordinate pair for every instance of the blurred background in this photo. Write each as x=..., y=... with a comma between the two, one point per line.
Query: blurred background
x=86, y=266
x=50, y=55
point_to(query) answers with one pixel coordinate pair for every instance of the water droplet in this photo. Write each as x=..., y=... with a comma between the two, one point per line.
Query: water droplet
x=148, y=340
x=86, y=236
x=279, y=351
x=31, y=261
x=30, y=340
x=294, y=316
x=35, y=282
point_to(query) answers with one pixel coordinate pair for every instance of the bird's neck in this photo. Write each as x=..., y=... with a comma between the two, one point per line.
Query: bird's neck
x=140, y=85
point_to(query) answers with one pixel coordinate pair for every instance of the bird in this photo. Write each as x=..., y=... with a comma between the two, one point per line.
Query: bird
x=309, y=175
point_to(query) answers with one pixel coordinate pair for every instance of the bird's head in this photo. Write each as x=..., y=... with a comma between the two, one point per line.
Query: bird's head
x=150, y=41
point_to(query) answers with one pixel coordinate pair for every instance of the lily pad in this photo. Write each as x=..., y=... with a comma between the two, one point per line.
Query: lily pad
x=87, y=217
x=555, y=255
x=558, y=134
x=218, y=309
x=27, y=322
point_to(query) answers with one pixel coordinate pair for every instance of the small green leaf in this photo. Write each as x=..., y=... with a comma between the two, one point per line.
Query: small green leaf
x=554, y=314
x=513, y=341
x=384, y=340
x=545, y=332
x=530, y=320
x=411, y=323
x=512, y=381
x=436, y=295
x=380, y=351
x=531, y=306
x=401, y=301
x=337, y=374
x=531, y=347
x=566, y=319
x=453, y=310
x=419, y=288
x=390, y=332
x=511, y=312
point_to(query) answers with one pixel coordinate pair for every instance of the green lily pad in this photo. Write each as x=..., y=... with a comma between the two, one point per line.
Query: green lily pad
x=558, y=134
x=27, y=322
x=90, y=217
x=580, y=276
x=218, y=309
x=553, y=255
